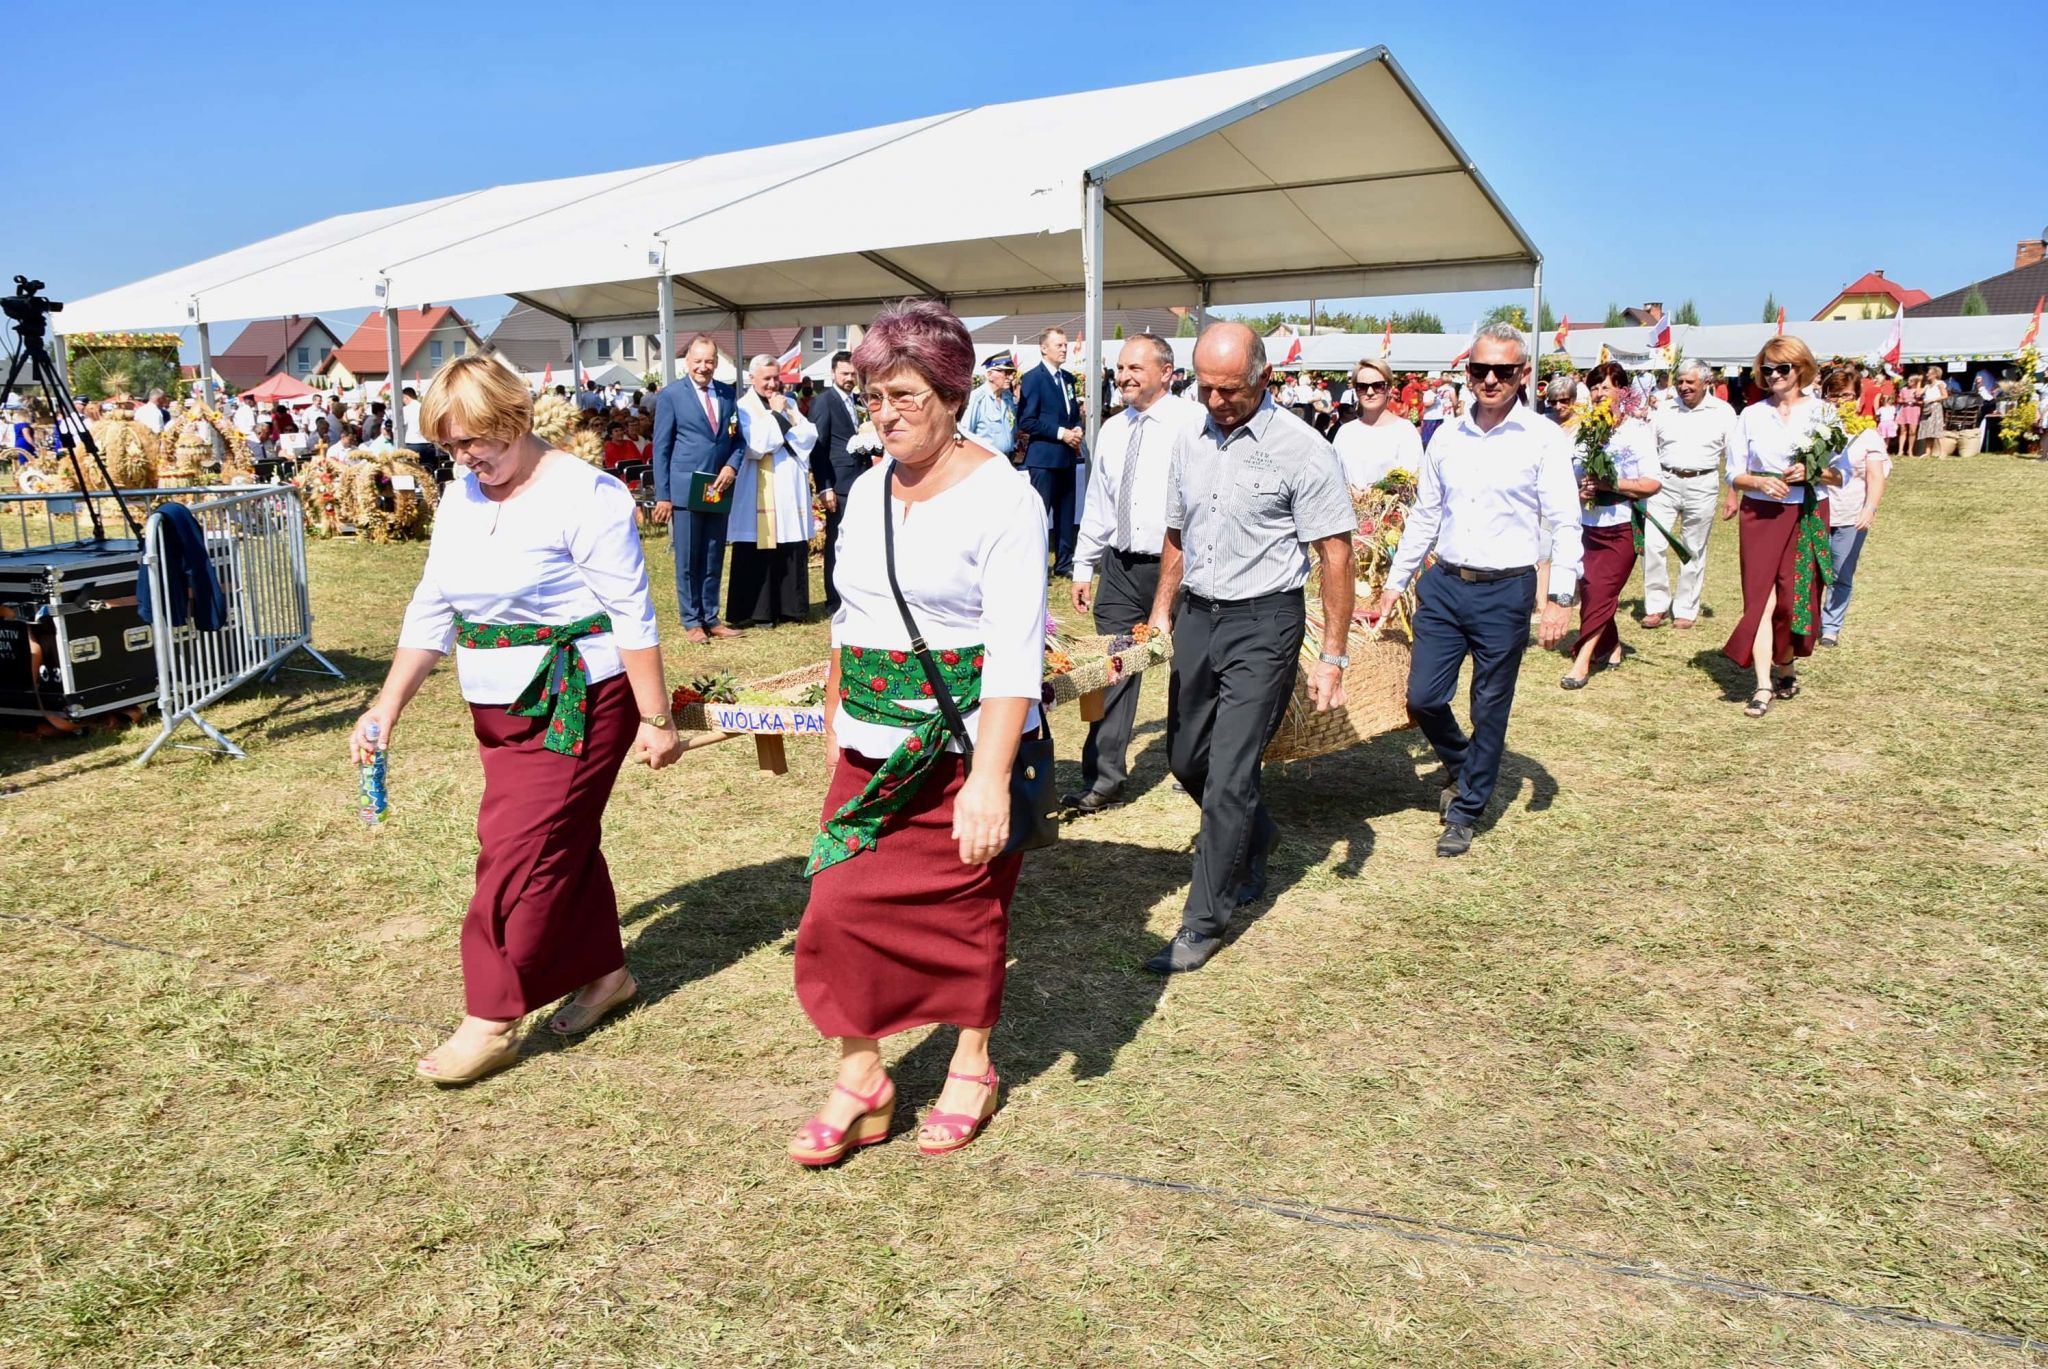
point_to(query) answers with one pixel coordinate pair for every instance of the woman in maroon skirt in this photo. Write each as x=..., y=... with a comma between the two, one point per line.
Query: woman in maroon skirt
x=1784, y=541
x=908, y=919
x=535, y=578
x=1607, y=522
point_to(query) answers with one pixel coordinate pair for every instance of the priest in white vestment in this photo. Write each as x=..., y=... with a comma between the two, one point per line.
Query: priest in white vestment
x=771, y=524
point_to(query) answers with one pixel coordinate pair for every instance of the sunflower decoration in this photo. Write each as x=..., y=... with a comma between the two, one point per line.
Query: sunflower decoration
x=381, y=506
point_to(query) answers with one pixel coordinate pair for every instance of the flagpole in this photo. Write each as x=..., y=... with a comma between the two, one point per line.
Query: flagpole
x=1535, y=330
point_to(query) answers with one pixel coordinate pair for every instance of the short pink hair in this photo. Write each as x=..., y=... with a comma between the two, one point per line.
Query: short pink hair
x=925, y=336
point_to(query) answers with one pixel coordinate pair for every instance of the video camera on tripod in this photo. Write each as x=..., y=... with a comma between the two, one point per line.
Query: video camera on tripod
x=29, y=310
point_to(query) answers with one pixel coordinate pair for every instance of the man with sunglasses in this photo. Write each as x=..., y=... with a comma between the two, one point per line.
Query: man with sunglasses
x=1496, y=496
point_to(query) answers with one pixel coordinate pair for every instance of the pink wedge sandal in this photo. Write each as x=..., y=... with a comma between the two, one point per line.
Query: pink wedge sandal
x=817, y=1144
x=946, y=1132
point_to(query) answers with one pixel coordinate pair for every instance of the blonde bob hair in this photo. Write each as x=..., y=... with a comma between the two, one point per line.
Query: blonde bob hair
x=1782, y=349
x=1378, y=368
x=479, y=396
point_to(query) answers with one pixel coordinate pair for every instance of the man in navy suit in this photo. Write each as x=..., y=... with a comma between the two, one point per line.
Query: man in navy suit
x=1049, y=419
x=696, y=432
x=835, y=416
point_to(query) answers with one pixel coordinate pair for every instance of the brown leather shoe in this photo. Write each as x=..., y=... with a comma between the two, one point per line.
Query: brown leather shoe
x=1683, y=624
x=696, y=634
x=725, y=630
x=1653, y=620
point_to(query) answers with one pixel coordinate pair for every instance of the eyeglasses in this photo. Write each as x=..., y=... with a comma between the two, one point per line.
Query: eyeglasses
x=1775, y=369
x=1373, y=387
x=902, y=401
x=1506, y=372
x=458, y=445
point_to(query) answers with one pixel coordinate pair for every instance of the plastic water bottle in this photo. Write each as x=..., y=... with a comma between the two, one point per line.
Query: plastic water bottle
x=373, y=800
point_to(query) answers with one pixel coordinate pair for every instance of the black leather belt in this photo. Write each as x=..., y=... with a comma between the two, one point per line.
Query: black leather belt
x=1472, y=576
x=1130, y=556
x=1687, y=475
x=1202, y=605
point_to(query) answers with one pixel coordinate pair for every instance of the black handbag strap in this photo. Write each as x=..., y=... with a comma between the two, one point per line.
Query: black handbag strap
x=951, y=710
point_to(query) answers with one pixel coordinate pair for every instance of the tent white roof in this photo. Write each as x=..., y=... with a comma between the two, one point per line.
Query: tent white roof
x=1225, y=180
x=605, y=373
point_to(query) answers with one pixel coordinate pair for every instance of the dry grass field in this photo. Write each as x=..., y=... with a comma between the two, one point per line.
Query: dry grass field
x=1717, y=1013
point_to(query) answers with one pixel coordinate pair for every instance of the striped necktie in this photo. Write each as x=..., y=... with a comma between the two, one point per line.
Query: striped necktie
x=1127, y=485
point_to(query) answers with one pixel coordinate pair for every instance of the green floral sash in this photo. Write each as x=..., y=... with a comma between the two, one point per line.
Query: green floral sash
x=873, y=687
x=559, y=685
x=1813, y=559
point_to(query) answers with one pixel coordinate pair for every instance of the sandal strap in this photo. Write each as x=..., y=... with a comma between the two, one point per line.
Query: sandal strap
x=822, y=1135
x=869, y=1102
x=986, y=1080
x=957, y=1121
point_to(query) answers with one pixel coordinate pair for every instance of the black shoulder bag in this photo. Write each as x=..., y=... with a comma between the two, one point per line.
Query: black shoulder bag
x=1033, y=819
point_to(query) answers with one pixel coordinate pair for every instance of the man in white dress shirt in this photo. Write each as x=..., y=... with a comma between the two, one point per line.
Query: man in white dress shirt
x=1693, y=436
x=1496, y=496
x=1122, y=531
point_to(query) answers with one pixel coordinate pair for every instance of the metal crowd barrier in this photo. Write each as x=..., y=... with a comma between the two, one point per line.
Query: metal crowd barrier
x=256, y=542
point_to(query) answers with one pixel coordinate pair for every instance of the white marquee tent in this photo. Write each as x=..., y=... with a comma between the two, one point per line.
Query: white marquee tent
x=1204, y=190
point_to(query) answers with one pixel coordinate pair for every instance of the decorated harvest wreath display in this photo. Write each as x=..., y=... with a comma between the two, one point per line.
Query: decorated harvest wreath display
x=129, y=451
x=391, y=496
x=555, y=423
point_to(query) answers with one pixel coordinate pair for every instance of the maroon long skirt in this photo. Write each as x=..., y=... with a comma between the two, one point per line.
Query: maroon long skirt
x=544, y=919
x=905, y=935
x=1609, y=559
x=1770, y=537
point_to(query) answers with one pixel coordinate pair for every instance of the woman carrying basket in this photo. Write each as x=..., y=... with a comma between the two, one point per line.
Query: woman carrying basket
x=911, y=875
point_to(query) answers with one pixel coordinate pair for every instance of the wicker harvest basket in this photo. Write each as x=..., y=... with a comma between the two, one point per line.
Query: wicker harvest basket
x=1375, y=697
x=1095, y=666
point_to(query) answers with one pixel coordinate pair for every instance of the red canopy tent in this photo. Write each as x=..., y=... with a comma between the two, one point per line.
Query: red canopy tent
x=279, y=388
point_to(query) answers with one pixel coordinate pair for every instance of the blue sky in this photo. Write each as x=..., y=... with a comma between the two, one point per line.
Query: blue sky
x=1712, y=152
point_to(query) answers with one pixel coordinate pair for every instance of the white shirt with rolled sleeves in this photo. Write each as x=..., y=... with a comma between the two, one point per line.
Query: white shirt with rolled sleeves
x=1486, y=500
x=971, y=561
x=1370, y=451
x=1766, y=444
x=1633, y=448
x=1694, y=439
x=1170, y=419
x=561, y=549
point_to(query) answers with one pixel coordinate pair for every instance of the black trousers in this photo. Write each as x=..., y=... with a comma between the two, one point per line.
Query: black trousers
x=832, y=516
x=1233, y=673
x=1123, y=600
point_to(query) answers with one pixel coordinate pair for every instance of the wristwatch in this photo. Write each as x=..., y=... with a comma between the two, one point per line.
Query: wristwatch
x=1565, y=600
x=660, y=720
x=1341, y=662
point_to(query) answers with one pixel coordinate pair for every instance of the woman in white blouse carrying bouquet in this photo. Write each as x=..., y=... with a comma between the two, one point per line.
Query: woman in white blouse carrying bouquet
x=535, y=579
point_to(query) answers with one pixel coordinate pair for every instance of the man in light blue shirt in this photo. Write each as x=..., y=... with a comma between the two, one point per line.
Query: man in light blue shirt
x=991, y=417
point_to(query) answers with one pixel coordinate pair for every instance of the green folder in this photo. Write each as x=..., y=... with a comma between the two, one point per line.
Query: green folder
x=702, y=500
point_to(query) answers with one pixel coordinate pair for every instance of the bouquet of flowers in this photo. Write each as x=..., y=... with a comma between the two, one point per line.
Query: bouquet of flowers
x=1595, y=428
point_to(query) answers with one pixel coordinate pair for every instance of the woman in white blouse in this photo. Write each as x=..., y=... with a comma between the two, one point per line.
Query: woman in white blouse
x=1378, y=440
x=1783, y=540
x=908, y=918
x=1852, y=509
x=1607, y=521
x=535, y=578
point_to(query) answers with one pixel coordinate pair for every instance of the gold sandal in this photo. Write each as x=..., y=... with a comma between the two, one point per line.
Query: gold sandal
x=576, y=1018
x=469, y=1066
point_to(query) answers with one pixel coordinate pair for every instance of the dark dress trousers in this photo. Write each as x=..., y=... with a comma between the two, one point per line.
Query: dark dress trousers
x=1045, y=405
x=687, y=443
x=832, y=469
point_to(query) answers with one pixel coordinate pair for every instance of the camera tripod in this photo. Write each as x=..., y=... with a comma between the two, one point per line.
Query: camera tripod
x=31, y=312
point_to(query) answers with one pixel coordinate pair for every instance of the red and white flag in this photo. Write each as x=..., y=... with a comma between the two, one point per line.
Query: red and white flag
x=790, y=364
x=1564, y=330
x=1470, y=340
x=1387, y=343
x=1895, y=345
x=1660, y=334
x=1293, y=353
x=547, y=375
x=1781, y=320
x=2033, y=333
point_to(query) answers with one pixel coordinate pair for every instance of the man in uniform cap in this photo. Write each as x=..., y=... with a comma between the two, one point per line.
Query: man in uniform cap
x=991, y=417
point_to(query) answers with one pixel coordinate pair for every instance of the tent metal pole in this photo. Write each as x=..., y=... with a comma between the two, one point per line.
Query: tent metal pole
x=395, y=409
x=205, y=364
x=1091, y=317
x=1535, y=331
x=1202, y=310
x=575, y=354
x=665, y=288
x=739, y=361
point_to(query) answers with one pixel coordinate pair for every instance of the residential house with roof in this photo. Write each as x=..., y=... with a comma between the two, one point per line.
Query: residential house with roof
x=429, y=337
x=1871, y=296
x=534, y=341
x=296, y=346
x=2009, y=292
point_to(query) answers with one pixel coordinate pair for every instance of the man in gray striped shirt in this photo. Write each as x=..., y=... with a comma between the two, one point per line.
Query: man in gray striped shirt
x=1248, y=495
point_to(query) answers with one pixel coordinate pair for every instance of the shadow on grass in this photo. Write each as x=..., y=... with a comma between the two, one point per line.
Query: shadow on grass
x=1736, y=682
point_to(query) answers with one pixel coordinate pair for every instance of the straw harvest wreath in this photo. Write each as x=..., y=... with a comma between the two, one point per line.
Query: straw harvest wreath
x=372, y=482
